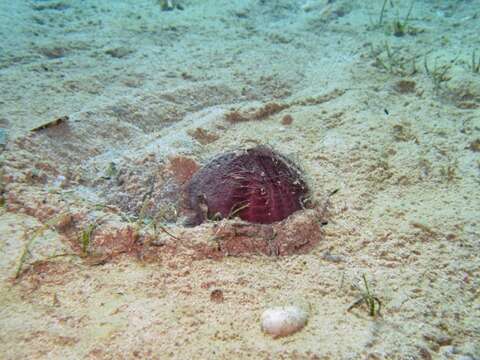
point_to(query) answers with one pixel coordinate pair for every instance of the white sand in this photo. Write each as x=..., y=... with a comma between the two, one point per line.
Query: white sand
x=136, y=81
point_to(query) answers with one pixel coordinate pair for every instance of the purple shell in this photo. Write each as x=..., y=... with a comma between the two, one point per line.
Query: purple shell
x=257, y=185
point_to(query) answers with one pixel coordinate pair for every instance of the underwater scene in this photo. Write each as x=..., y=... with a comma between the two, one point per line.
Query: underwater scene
x=241, y=179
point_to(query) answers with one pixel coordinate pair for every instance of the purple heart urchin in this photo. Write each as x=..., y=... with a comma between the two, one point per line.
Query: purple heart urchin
x=257, y=185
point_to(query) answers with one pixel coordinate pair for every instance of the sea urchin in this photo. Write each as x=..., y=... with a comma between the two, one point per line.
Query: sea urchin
x=257, y=185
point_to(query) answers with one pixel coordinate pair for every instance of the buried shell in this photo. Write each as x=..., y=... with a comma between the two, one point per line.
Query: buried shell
x=257, y=185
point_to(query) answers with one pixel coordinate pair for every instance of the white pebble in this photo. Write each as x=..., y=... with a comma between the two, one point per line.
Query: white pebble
x=283, y=321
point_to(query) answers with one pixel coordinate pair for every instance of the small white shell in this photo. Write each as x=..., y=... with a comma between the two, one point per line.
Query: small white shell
x=283, y=321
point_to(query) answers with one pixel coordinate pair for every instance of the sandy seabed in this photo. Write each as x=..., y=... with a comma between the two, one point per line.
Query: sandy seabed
x=384, y=110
